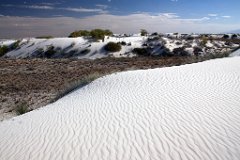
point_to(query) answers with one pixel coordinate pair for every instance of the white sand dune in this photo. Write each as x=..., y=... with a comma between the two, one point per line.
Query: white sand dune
x=236, y=53
x=189, y=112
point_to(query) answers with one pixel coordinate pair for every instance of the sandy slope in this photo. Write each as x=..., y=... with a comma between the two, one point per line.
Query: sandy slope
x=236, y=53
x=187, y=112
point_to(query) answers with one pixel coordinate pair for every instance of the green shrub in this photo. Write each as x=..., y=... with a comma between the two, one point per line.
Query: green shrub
x=226, y=36
x=80, y=33
x=100, y=34
x=234, y=36
x=113, y=47
x=96, y=33
x=15, y=45
x=77, y=84
x=197, y=51
x=141, y=51
x=203, y=41
x=45, y=37
x=22, y=108
x=143, y=32
x=180, y=51
x=3, y=50
x=123, y=43
x=50, y=52
x=85, y=51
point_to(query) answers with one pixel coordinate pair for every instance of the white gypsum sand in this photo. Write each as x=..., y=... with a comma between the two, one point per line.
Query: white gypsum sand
x=183, y=112
x=236, y=53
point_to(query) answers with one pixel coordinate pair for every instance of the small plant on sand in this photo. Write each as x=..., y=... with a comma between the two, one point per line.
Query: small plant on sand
x=141, y=51
x=22, y=108
x=77, y=84
x=113, y=47
x=50, y=52
x=143, y=32
x=15, y=45
x=85, y=51
x=3, y=50
x=45, y=37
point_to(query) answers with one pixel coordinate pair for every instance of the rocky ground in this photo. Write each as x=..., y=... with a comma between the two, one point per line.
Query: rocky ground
x=38, y=82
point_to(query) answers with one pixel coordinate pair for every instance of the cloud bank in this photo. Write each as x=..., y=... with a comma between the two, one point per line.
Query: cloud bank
x=16, y=27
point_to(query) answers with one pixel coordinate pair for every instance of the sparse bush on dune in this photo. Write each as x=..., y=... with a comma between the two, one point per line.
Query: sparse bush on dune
x=180, y=51
x=226, y=36
x=234, y=36
x=154, y=34
x=123, y=43
x=113, y=47
x=22, y=108
x=141, y=51
x=203, y=41
x=96, y=33
x=100, y=34
x=85, y=51
x=50, y=52
x=80, y=33
x=15, y=45
x=70, y=87
x=143, y=32
x=3, y=50
x=197, y=51
x=45, y=37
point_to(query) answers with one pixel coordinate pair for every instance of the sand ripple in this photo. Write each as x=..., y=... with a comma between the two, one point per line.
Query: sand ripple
x=190, y=112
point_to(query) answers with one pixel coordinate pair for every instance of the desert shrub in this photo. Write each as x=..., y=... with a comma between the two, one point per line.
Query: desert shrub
x=123, y=43
x=197, y=51
x=113, y=47
x=15, y=45
x=203, y=41
x=155, y=38
x=50, y=52
x=45, y=37
x=166, y=52
x=189, y=38
x=154, y=34
x=129, y=44
x=178, y=43
x=180, y=51
x=22, y=108
x=217, y=55
x=100, y=34
x=3, y=50
x=226, y=36
x=228, y=43
x=141, y=51
x=80, y=33
x=143, y=32
x=234, y=36
x=70, y=87
x=85, y=51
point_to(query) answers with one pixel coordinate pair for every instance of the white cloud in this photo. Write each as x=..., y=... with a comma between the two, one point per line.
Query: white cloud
x=169, y=15
x=38, y=7
x=212, y=15
x=82, y=9
x=226, y=16
x=100, y=8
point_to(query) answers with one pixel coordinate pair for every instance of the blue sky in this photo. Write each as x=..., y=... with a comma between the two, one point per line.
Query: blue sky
x=32, y=17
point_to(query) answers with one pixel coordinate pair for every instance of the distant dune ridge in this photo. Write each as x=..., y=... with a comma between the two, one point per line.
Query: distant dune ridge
x=183, y=112
x=87, y=48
